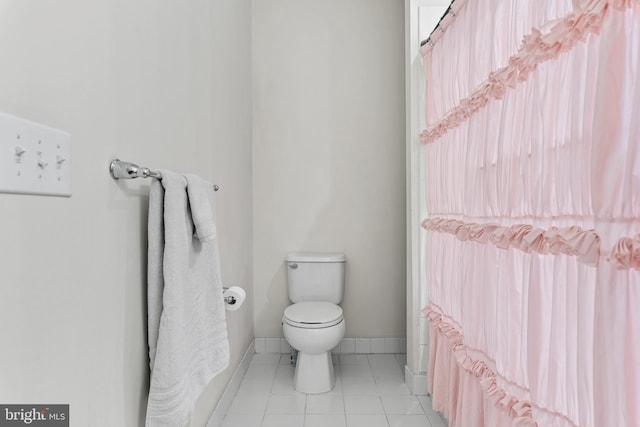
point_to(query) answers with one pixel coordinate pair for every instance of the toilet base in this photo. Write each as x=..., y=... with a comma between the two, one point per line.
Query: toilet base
x=314, y=373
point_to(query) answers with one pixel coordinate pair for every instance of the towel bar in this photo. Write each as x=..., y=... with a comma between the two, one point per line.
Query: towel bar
x=119, y=169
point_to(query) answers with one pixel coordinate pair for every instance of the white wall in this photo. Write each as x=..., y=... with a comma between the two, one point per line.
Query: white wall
x=163, y=83
x=329, y=153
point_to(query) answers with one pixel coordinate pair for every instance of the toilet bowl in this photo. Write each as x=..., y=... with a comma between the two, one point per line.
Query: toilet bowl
x=313, y=328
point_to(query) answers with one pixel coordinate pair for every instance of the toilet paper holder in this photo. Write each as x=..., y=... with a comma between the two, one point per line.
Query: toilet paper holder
x=229, y=300
x=233, y=297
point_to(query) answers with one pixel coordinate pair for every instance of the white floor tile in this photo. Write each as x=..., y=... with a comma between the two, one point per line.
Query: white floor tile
x=359, y=372
x=260, y=372
x=364, y=420
x=383, y=360
x=363, y=405
x=326, y=403
x=287, y=404
x=283, y=420
x=392, y=386
x=242, y=420
x=249, y=403
x=436, y=421
x=408, y=420
x=402, y=360
x=285, y=359
x=366, y=386
x=254, y=388
x=388, y=374
x=265, y=358
x=425, y=401
x=317, y=420
x=385, y=365
x=353, y=359
x=283, y=381
x=401, y=405
x=359, y=387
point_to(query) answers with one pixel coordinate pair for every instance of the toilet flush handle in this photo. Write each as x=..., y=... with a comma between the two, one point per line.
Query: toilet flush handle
x=293, y=265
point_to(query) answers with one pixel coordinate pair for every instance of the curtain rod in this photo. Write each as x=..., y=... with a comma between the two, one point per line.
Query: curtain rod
x=446, y=12
x=119, y=169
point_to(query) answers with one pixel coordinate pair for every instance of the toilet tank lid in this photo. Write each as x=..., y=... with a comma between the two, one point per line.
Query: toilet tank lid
x=315, y=257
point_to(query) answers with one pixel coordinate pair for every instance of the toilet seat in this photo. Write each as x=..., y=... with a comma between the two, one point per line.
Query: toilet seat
x=313, y=314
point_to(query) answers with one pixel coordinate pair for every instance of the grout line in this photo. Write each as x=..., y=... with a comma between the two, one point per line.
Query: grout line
x=382, y=367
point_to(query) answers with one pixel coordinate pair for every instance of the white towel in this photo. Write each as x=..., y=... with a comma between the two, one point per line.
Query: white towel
x=199, y=192
x=188, y=342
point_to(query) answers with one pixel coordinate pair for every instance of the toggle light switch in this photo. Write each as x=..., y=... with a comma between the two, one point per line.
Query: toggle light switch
x=19, y=151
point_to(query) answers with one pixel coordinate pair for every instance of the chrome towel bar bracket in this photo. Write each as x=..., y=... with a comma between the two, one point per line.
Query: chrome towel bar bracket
x=119, y=169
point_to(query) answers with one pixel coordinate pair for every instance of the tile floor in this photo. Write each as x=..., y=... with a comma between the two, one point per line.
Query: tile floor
x=369, y=392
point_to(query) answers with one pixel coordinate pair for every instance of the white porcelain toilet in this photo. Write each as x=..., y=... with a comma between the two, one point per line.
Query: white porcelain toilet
x=313, y=324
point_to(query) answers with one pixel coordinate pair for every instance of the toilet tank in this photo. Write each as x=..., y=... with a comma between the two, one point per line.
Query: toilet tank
x=315, y=276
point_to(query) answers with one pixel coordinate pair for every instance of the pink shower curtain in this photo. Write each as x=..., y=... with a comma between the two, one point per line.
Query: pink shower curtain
x=533, y=193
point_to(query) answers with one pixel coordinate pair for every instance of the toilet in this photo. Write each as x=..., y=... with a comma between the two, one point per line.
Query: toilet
x=313, y=324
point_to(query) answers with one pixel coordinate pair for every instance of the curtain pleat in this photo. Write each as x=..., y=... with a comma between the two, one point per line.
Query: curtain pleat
x=532, y=257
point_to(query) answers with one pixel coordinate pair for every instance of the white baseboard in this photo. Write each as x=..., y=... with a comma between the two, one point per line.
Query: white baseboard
x=230, y=391
x=346, y=346
x=417, y=383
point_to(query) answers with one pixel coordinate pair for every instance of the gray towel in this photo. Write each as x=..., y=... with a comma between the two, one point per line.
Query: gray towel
x=188, y=342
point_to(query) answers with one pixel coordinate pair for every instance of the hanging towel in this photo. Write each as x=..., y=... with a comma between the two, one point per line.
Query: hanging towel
x=188, y=342
x=199, y=192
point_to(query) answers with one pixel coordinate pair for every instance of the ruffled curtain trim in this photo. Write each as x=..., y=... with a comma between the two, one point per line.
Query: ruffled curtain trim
x=519, y=410
x=626, y=253
x=574, y=241
x=539, y=46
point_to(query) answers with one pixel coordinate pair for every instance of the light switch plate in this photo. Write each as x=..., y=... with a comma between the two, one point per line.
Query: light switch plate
x=34, y=159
